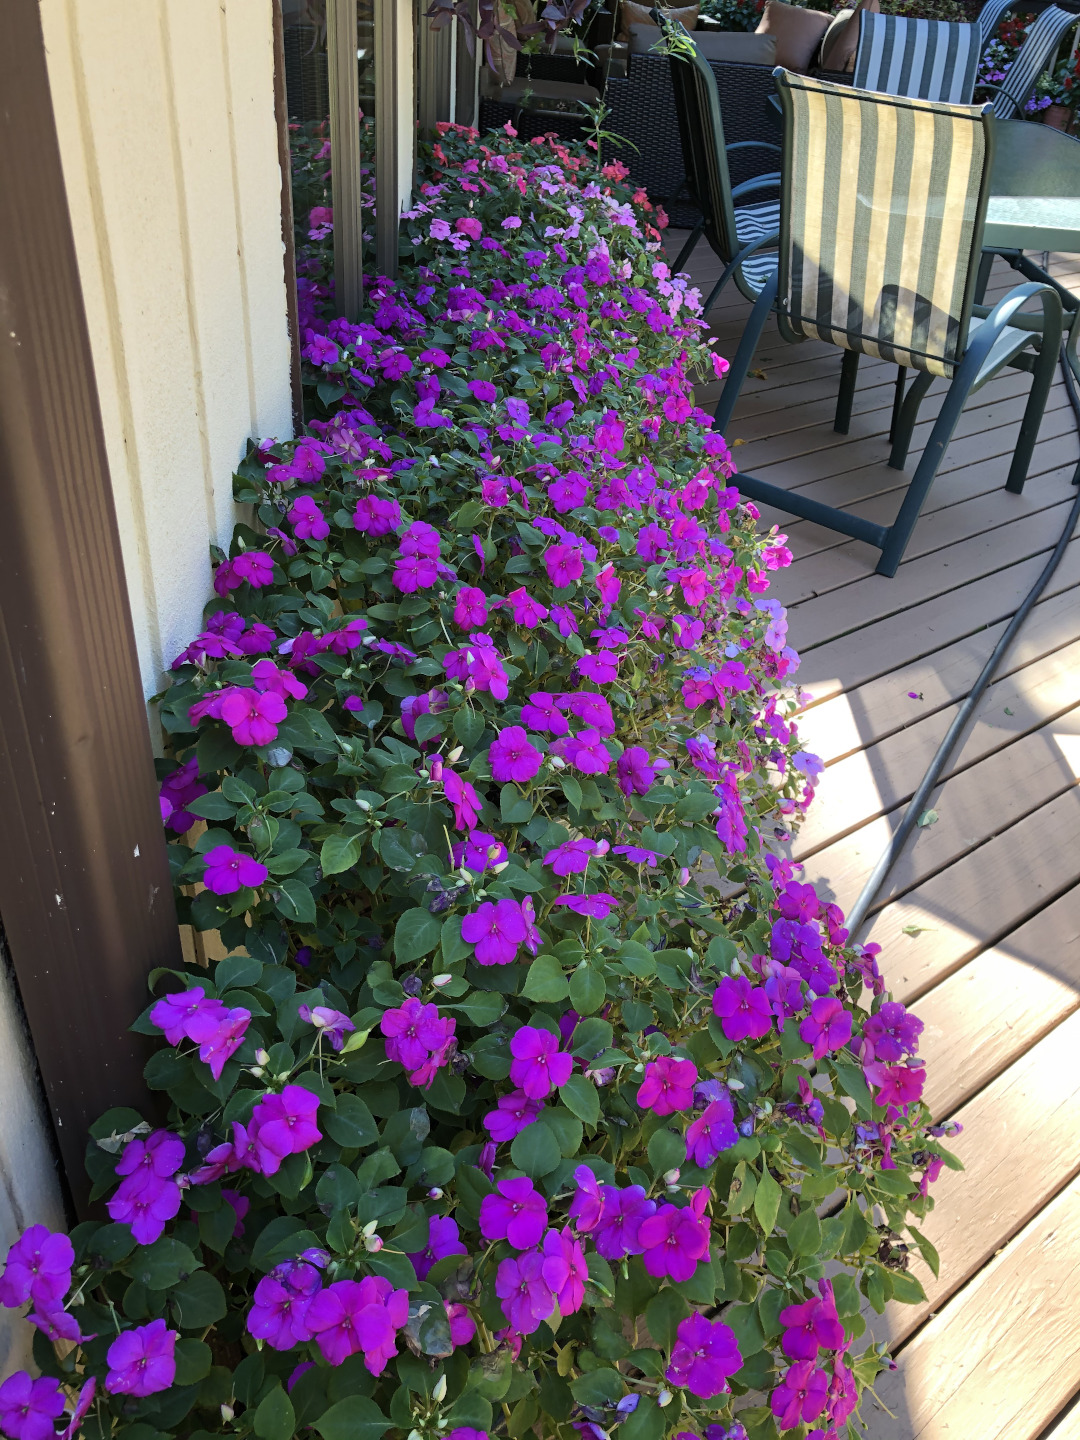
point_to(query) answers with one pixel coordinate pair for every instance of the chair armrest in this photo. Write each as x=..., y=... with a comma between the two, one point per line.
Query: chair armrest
x=753, y=144
x=760, y=182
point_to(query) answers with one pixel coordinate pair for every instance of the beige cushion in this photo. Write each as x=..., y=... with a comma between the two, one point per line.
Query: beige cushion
x=841, y=40
x=798, y=33
x=737, y=47
x=633, y=14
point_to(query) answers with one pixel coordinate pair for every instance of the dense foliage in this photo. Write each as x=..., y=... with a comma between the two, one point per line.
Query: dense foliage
x=535, y=1092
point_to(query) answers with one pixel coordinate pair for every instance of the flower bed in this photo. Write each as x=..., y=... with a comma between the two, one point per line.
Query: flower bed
x=538, y=1093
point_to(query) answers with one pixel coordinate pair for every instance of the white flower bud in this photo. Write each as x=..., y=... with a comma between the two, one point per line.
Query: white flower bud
x=227, y=1414
x=498, y=869
x=262, y=1057
x=456, y=754
x=370, y=1228
x=671, y=1179
x=438, y=1394
x=373, y=1244
x=735, y=1085
x=665, y=1397
x=557, y=762
x=440, y=980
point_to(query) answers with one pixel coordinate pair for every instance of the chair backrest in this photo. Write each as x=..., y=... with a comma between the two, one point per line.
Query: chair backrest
x=881, y=220
x=1037, y=52
x=922, y=59
x=989, y=18
x=701, y=130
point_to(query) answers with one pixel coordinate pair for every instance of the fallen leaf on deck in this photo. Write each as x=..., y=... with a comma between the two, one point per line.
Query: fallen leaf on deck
x=736, y=442
x=916, y=929
x=759, y=374
x=1007, y=710
x=928, y=817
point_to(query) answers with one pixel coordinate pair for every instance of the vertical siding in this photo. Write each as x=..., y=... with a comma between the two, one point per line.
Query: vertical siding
x=165, y=111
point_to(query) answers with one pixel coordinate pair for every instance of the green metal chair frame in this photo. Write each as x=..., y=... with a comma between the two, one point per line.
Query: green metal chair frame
x=882, y=207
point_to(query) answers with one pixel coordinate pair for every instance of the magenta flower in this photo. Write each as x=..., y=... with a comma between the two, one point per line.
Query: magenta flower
x=564, y=1270
x=496, y=929
x=478, y=666
x=896, y=1084
x=592, y=710
x=82, y=1405
x=704, y=1355
x=470, y=608
x=827, y=1027
x=267, y=676
x=673, y=1241
x=712, y=1132
x=564, y=564
x=228, y=871
x=618, y=1233
x=178, y=790
x=573, y=856
x=743, y=1009
x=800, y=1397
x=285, y=1125
x=638, y=855
x=538, y=1066
x=484, y=391
x=601, y=669
x=543, y=715
x=38, y=1268
x=462, y=1325
x=415, y=1032
x=668, y=1085
x=443, y=1239
x=29, y=1407
x=525, y=610
x=596, y=907
x=811, y=1327
x=146, y=1203
x=633, y=771
x=514, y=1212
x=587, y=1204
x=331, y=1023
x=350, y=1316
x=376, y=517
x=307, y=520
x=463, y=798
x=160, y=1155
x=586, y=752
x=514, y=1113
x=281, y=1303
x=512, y=757
x=142, y=1361
x=478, y=852
x=218, y=1034
x=254, y=566
x=58, y=1325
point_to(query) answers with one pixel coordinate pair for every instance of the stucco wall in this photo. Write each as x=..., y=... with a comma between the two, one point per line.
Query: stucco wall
x=165, y=114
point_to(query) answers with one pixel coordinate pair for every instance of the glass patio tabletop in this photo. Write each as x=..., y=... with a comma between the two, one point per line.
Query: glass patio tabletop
x=1034, y=189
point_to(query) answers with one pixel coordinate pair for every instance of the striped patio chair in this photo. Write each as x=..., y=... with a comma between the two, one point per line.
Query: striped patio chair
x=882, y=208
x=939, y=59
x=742, y=235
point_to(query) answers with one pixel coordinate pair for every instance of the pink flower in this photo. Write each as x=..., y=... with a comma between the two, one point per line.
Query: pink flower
x=478, y=664
x=668, y=1085
x=142, y=1361
x=219, y=1036
x=470, y=608
x=285, y=1125
x=512, y=757
x=462, y=1325
x=633, y=771
x=896, y=1084
x=587, y=752
x=538, y=1066
x=705, y=1353
x=376, y=517
x=525, y=610
x=564, y=1270
x=307, y=520
x=564, y=564
x=463, y=798
x=800, y=1396
x=601, y=669
x=827, y=1027
x=497, y=930
x=597, y=906
x=673, y=1241
x=525, y=1295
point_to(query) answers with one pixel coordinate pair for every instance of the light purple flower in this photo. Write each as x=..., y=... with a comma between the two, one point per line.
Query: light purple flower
x=596, y=907
x=352, y=1316
x=743, y=1009
x=331, y=1023
x=564, y=1270
x=525, y=1294
x=444, y=1239
x=38, y=1268
x=281, y=1303
x=142, y=1361
x=712, y=1132
x=538, y=1066
x=29, y=1408
x=514, y=1212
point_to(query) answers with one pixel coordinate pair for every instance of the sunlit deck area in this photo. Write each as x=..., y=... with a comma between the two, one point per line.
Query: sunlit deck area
x=980, y=920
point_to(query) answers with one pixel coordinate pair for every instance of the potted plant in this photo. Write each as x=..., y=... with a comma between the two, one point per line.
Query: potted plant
x=1057, y=93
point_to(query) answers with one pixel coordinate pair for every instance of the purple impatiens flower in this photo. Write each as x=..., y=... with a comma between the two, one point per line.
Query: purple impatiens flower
x=38, y=1268
x=331, y=1023
x=281, y=1303
x=514, y=1212
x=538, y=1066
x=712, y=1132
x=742, y=1009
x=142, y=1361
x=704, y=1355
x=497, y=930
x=29, y=1407
x=668, y=1085
x=350, y=1317
x=444, y=1239
x=525, y=1294
x=512, y=757
x=227, y=871
x=513, y=1113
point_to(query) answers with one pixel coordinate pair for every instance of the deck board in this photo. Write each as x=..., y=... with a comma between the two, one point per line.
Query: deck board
x=980, y=921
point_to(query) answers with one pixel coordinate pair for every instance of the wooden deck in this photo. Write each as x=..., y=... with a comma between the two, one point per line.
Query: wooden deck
x=980, y=920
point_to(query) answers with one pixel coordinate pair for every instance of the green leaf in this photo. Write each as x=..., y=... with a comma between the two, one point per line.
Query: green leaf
x=906, y=1288
x=587, y=991
x=469, y=727
x=164, y=1263
x=766, y=1201
x=667, y=1150
x=804, y=1234
x=351, y=1124
x=296, y=902
x=646, y=1423
x=193, y=1361
x=926, y=1250
x=483, y=1007
x=275, y=1418
x=662, y=1316
x=200, y=1300
x=415, y=935
x=536, y=1150
x=237, y=972
x=581, y=1098
x=354, y=1418
x=572, y=791
x=598, y=1387
x=340, y=852
x=545, y=980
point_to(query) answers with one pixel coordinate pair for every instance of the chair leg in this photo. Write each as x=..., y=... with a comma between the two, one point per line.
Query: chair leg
x=745, y=353
x=849, y=374
x=1041, y=381
x=898, y=400
x=688, y=249
x=892, y=552
x=904, y=424
x=982, y=277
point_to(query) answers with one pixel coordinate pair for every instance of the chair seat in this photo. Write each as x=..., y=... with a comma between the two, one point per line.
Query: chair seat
x=754, y=222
